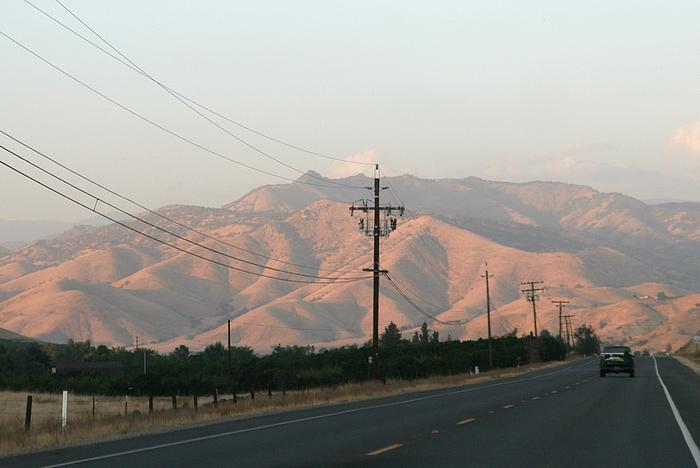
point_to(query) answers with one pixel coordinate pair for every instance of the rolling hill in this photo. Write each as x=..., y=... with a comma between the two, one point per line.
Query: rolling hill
x=609, y=254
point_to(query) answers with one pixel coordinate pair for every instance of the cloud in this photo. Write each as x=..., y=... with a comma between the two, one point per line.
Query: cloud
x=345, y=169
x=689, y=136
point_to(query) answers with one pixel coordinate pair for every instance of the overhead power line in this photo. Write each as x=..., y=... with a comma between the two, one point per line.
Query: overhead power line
x=181, y=249
x=172, y=132
x=148, y=223
x=126, y=61
x=412, y=303
x=162, y=216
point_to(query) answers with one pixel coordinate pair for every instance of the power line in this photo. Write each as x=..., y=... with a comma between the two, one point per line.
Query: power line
x=133, y=66
x=173, y=133
x=410, y=301
x=167, y=218
x=97, y=199
x=197, y=244
x=183, y=250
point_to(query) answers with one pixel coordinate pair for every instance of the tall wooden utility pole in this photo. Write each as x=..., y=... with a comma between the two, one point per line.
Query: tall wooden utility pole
x=486, y=276
x=560, y=305
x=381, y=228
x=569, y=330
x=229, y=352
x=531, y=296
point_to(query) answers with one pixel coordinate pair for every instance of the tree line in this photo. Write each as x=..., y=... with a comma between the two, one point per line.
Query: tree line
x=27, y=366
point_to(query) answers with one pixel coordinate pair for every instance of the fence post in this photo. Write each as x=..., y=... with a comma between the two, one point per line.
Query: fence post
x=269, y=390
x=126, y=405
x=252, y=394
x=93, y=407
x=194, y=397
x=150, y=403
x=64, y=409
x=28, y=414
x=235, y=399
x=215, y=395
x=174, y=400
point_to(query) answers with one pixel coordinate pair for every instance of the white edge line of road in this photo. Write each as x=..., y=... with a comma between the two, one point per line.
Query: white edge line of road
x=692, y=446
x=310, y=418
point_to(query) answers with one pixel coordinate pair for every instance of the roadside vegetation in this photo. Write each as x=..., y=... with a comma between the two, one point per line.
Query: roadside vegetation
x=289, y=377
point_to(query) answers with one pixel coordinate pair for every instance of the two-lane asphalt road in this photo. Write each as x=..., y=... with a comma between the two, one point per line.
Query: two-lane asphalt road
x=567, y=416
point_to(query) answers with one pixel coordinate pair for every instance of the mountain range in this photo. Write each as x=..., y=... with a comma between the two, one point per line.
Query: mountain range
x=628, y=268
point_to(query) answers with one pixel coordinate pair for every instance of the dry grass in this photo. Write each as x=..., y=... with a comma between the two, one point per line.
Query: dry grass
x=110, y=423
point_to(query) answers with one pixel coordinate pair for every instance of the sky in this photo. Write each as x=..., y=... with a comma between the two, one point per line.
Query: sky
x=598, y=93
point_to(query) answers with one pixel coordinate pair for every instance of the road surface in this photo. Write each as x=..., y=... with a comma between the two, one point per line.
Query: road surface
x=566, y=416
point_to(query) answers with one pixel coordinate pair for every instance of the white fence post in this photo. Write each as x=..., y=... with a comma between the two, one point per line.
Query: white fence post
x=476, y=370
x=64, y=409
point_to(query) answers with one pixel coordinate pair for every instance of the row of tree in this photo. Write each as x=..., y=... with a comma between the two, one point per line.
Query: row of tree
x=28, y=366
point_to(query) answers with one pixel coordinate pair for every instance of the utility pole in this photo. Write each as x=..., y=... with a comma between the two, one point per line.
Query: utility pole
x=137, y=342
x=144, y=361
x=531, y=296
x=569, y=330
x=486, y=276
x=229, y=352
x=560, y=305
x=381, y=228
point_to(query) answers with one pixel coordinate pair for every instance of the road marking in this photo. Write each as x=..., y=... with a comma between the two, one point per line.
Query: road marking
x=553, y=391
x=435, y=431
x=567, y=387
x=466, y=421
x=536, y=398
x=492, y=412
x=384, y=450
x=523, y=401
x=311, y=418
x=508, y=406
x=692, y=446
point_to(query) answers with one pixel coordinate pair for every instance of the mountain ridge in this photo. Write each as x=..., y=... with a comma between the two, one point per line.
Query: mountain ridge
x=109, y=285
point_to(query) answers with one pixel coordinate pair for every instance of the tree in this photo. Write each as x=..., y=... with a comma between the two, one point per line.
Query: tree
x=181, y=352
x=415, y=339
x=661, y=296
x=391, y=335
x=424, y=337
x=586, y=341
x=436, y=337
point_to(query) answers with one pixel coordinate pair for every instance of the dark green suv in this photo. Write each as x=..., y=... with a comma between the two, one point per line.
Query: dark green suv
x=616, y=359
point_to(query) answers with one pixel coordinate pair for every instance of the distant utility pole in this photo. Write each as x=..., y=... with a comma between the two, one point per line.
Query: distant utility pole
x=569, y=329
x=560, y=305
x=531, y=296
x=381, y=228
x=229, y=352
x=144, y=361
x=137, y=342
x=486, y=276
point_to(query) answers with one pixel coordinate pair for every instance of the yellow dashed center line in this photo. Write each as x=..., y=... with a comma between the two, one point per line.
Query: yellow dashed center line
x=536, y=398
x=435, y=431
x=384, y=450
x=508, y=406
x=466, y=421
x=554, y=391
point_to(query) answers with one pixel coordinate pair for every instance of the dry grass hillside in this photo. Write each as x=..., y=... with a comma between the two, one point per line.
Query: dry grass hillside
x=610, y=255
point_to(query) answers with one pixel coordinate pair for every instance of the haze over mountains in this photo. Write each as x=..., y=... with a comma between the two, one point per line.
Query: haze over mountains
x=609, y=254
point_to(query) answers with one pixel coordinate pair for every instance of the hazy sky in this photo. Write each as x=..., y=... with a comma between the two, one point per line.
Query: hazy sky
x=603, y=93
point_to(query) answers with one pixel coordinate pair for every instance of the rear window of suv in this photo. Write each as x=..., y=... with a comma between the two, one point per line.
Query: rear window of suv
x=616, y=349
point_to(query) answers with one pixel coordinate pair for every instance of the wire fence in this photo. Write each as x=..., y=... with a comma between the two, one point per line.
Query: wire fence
x=46, y=408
